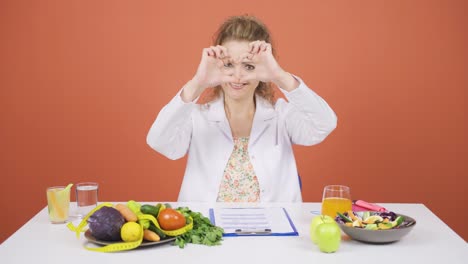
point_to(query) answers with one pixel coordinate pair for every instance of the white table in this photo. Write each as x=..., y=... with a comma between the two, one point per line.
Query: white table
x=431, y=241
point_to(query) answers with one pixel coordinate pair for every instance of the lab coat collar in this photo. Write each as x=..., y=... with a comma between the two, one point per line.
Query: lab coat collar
x=264, y=112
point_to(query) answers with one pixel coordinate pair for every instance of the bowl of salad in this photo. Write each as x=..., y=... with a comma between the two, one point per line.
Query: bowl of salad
x=375, y=227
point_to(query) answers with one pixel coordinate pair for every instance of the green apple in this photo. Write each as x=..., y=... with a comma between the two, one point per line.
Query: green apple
x=328, y=237
x=316, y=221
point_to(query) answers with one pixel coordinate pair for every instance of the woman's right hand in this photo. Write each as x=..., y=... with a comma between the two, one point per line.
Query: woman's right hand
x=210, y=73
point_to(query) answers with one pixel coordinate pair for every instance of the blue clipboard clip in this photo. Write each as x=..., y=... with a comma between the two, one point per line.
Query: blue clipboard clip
x=249, y=232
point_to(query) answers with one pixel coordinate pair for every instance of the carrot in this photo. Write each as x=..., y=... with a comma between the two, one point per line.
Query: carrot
x=128, y=214
x=150, y=235
x=352, y=216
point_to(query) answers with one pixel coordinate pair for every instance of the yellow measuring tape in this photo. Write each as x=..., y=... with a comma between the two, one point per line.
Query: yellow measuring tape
x=80, y=228
x=121, y=246
x=173, y=233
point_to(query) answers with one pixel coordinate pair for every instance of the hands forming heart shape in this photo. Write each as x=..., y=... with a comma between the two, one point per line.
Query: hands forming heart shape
x=217, y=66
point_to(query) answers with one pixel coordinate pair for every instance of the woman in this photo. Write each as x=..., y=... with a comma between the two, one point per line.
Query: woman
x=239, y=144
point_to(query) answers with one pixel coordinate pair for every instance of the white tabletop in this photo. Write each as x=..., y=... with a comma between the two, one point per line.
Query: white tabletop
x=431, y=241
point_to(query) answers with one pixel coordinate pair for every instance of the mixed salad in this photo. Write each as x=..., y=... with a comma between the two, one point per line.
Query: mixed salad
x=371, y=220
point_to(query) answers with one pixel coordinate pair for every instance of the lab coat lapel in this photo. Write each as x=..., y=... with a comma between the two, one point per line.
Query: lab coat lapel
x=217, y=115
x=263, y=119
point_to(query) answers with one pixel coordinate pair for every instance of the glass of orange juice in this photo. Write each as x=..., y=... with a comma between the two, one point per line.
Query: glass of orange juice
x=58, y=202
x=336, y=198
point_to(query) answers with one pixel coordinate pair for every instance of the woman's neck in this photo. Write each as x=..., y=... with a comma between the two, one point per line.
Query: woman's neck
x=239, y=109
x=240, y=115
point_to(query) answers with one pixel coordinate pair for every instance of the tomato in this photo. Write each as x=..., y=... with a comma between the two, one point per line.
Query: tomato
x=170, y=219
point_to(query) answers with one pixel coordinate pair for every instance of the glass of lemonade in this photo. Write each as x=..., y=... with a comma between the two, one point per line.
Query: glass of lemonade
x=58, y=202
x=336, y=198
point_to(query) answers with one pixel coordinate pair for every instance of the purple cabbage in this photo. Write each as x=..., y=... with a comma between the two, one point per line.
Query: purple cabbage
x=105, y=224
x=390, y=215
x=339, y=220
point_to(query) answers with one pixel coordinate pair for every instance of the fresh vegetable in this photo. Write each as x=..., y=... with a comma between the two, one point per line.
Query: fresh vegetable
x=135, y=208
x=398, y=221
x=170, y=219
x=150, y=236
x=128, y=214
x=203, y=232
x=374, y=219
x=345, y=218
x=105, y=224
x=150, y=209
x=371, y=220
x=158, y=231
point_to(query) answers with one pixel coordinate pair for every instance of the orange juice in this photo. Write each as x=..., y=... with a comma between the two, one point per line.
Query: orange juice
x=332, y=205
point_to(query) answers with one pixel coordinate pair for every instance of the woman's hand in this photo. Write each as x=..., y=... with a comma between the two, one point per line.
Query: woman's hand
x=267, y=68
x=210, y=73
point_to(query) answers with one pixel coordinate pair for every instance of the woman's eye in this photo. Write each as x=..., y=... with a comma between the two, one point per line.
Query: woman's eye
x=228, y=65
x=249, y=67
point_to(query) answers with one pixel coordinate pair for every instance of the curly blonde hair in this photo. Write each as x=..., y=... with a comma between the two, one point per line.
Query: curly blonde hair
x=244, y=28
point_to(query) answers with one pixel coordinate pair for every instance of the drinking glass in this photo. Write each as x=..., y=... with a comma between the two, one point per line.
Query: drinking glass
x=58, y=203
x=336, y=198
x=86, y=197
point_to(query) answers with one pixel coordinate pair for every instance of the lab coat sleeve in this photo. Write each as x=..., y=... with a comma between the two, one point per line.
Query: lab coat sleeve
x=308, y=118
x=171, y=132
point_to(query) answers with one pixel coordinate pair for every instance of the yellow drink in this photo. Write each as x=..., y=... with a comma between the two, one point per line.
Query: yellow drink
x=332, y=205
x=58, y=201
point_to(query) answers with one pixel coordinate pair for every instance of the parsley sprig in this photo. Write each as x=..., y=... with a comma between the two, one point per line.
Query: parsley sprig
x=203, y=232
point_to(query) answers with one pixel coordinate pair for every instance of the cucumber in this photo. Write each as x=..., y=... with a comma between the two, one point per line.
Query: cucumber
x=150, y=209
x=398, y=221
x=159, y=207
x=158, y=231
x=345, y=218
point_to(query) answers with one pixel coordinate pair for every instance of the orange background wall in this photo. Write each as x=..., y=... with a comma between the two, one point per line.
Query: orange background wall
x=82, y=81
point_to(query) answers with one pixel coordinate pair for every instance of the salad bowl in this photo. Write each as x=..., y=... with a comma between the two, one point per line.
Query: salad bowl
x=375, y=227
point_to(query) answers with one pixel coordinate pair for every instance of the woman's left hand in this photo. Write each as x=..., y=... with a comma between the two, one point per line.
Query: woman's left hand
x=267, y=68
x=260, y=55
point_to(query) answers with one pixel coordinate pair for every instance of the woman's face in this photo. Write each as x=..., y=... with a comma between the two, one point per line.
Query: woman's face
x=240, y=89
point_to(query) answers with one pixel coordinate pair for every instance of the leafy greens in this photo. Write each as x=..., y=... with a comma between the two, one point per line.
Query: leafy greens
x=203, y=232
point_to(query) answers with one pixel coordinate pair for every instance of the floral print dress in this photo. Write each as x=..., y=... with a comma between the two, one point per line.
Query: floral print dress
x=239, y=183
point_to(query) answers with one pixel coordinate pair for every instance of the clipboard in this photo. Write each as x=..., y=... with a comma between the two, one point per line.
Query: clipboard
x=253, y=221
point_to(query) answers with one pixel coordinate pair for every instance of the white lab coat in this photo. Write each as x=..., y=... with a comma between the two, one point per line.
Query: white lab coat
x=204, y=132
